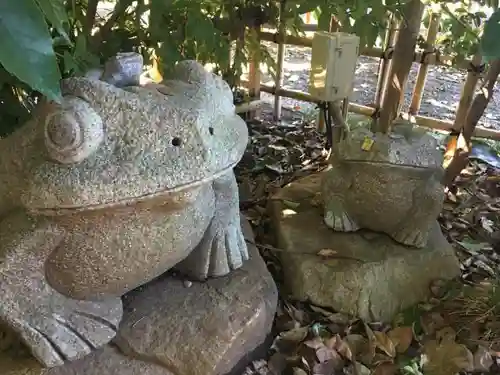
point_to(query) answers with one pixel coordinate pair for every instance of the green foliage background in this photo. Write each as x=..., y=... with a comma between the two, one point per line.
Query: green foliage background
x=42, y=41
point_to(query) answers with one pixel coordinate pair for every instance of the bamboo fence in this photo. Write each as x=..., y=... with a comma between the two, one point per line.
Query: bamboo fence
x=430, y=56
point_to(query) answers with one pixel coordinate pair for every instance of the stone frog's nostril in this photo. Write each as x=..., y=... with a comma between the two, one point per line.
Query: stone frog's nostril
x=211, y=130
x=73, y=131
x=176, y=141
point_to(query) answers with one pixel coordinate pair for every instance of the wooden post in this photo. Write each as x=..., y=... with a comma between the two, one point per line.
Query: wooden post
x=385, y=61
x=467, y=92
x=308, y=18
x=418, y=91
x=280, y=60
x=404, y=51
x=463, y=107
x=475, y=112
x=254, y=77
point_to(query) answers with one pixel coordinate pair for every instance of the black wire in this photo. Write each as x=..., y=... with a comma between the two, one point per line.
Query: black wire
x=329, y=127
x=325, y=110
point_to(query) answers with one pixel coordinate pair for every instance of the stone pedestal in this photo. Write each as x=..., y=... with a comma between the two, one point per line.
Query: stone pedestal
x=365, y=274
x=170, y=328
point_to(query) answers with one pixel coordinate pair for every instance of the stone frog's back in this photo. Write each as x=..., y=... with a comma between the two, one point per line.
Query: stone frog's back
x=126, y=182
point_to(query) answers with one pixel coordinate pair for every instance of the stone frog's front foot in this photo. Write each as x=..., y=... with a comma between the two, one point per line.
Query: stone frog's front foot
x=54, y=327
x=413, y=229
x=335, y=185
x=223, y=247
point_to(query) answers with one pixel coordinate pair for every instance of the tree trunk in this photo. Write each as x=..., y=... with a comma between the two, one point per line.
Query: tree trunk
x=475, y=112
x=404, y=51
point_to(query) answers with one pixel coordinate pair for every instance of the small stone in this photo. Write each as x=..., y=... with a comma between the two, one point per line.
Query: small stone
x=188, y=283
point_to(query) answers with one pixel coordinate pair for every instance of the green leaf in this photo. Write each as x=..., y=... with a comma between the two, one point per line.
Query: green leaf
x=56, y=14
x=490, y=41
x=26, y=47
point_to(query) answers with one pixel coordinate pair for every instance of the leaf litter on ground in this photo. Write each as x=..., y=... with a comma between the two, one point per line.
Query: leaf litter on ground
x=455, y=331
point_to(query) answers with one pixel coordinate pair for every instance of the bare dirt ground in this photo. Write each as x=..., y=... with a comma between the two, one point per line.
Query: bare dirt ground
x=440, y=100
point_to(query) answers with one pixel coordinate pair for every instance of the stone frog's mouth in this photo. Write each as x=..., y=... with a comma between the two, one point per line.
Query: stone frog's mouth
x=164, y=193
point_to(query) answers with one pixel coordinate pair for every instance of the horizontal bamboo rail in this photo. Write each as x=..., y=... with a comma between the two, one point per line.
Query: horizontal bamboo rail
x=424, y=121
x=430, y=58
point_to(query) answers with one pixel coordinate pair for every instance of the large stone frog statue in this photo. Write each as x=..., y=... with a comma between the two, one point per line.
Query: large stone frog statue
x=108, y=190
x=389, y=183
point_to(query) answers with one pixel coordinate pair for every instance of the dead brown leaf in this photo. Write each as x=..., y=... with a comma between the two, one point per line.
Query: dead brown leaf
x=325, y=354
x=358, y=345
x=384, y=343
x=483, y=360
x=446, y=358
x=431, y=322
x=329, y=367
x=385, y=369
x=402, y=338
x=446, y=335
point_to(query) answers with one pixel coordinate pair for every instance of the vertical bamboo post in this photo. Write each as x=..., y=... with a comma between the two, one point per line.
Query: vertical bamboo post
x=418, y=90
x=254, y=76
x=467, y=92
x=404, y=52
x=384, y=61
x=464, y=104
x=388, y=52
x=308, y=18
x=280, y=61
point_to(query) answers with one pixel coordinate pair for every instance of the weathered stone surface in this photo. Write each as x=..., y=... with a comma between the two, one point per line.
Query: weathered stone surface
x=113, y=187
x=368, y=274
x=106, y=361
x=205, y=329
x=393, y=185
x=171, y=329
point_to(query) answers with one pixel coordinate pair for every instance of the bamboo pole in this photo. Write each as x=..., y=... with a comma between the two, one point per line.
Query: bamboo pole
x=280, y=60
x=385, y=61
x=427, y=122
x=467, y=92
x=308, y=18
x=249, y=106
x=464, y=104
x=254, y=77
x=418, y=90
x=404, y=51
x=434, y=58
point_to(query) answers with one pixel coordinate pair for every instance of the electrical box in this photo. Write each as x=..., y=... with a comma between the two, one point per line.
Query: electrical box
x=333, y=64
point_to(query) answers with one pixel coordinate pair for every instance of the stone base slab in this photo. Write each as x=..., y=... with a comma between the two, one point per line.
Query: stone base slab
x=365, y=274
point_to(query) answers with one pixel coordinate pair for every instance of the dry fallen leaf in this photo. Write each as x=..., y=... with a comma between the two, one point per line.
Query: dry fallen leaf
x=361, y=369
x=402, y=338
x=385, y=369
x=447, y=358
x=446, y=335
x=325, y=354
x=431, y=322
x=384, y=343
x=358, y=344
x=483, y=359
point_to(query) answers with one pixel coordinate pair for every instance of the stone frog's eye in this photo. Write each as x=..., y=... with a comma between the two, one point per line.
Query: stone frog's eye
x=72, y=132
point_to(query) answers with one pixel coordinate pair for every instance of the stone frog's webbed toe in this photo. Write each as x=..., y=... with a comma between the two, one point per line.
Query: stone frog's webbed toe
x=223, y=247
x=54, y=327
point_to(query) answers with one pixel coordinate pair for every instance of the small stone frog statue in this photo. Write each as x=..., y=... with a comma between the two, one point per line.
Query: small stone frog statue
x=109, y=189
x=389, y=183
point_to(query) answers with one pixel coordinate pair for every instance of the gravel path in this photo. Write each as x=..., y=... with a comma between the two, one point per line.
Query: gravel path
x=442, y=89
